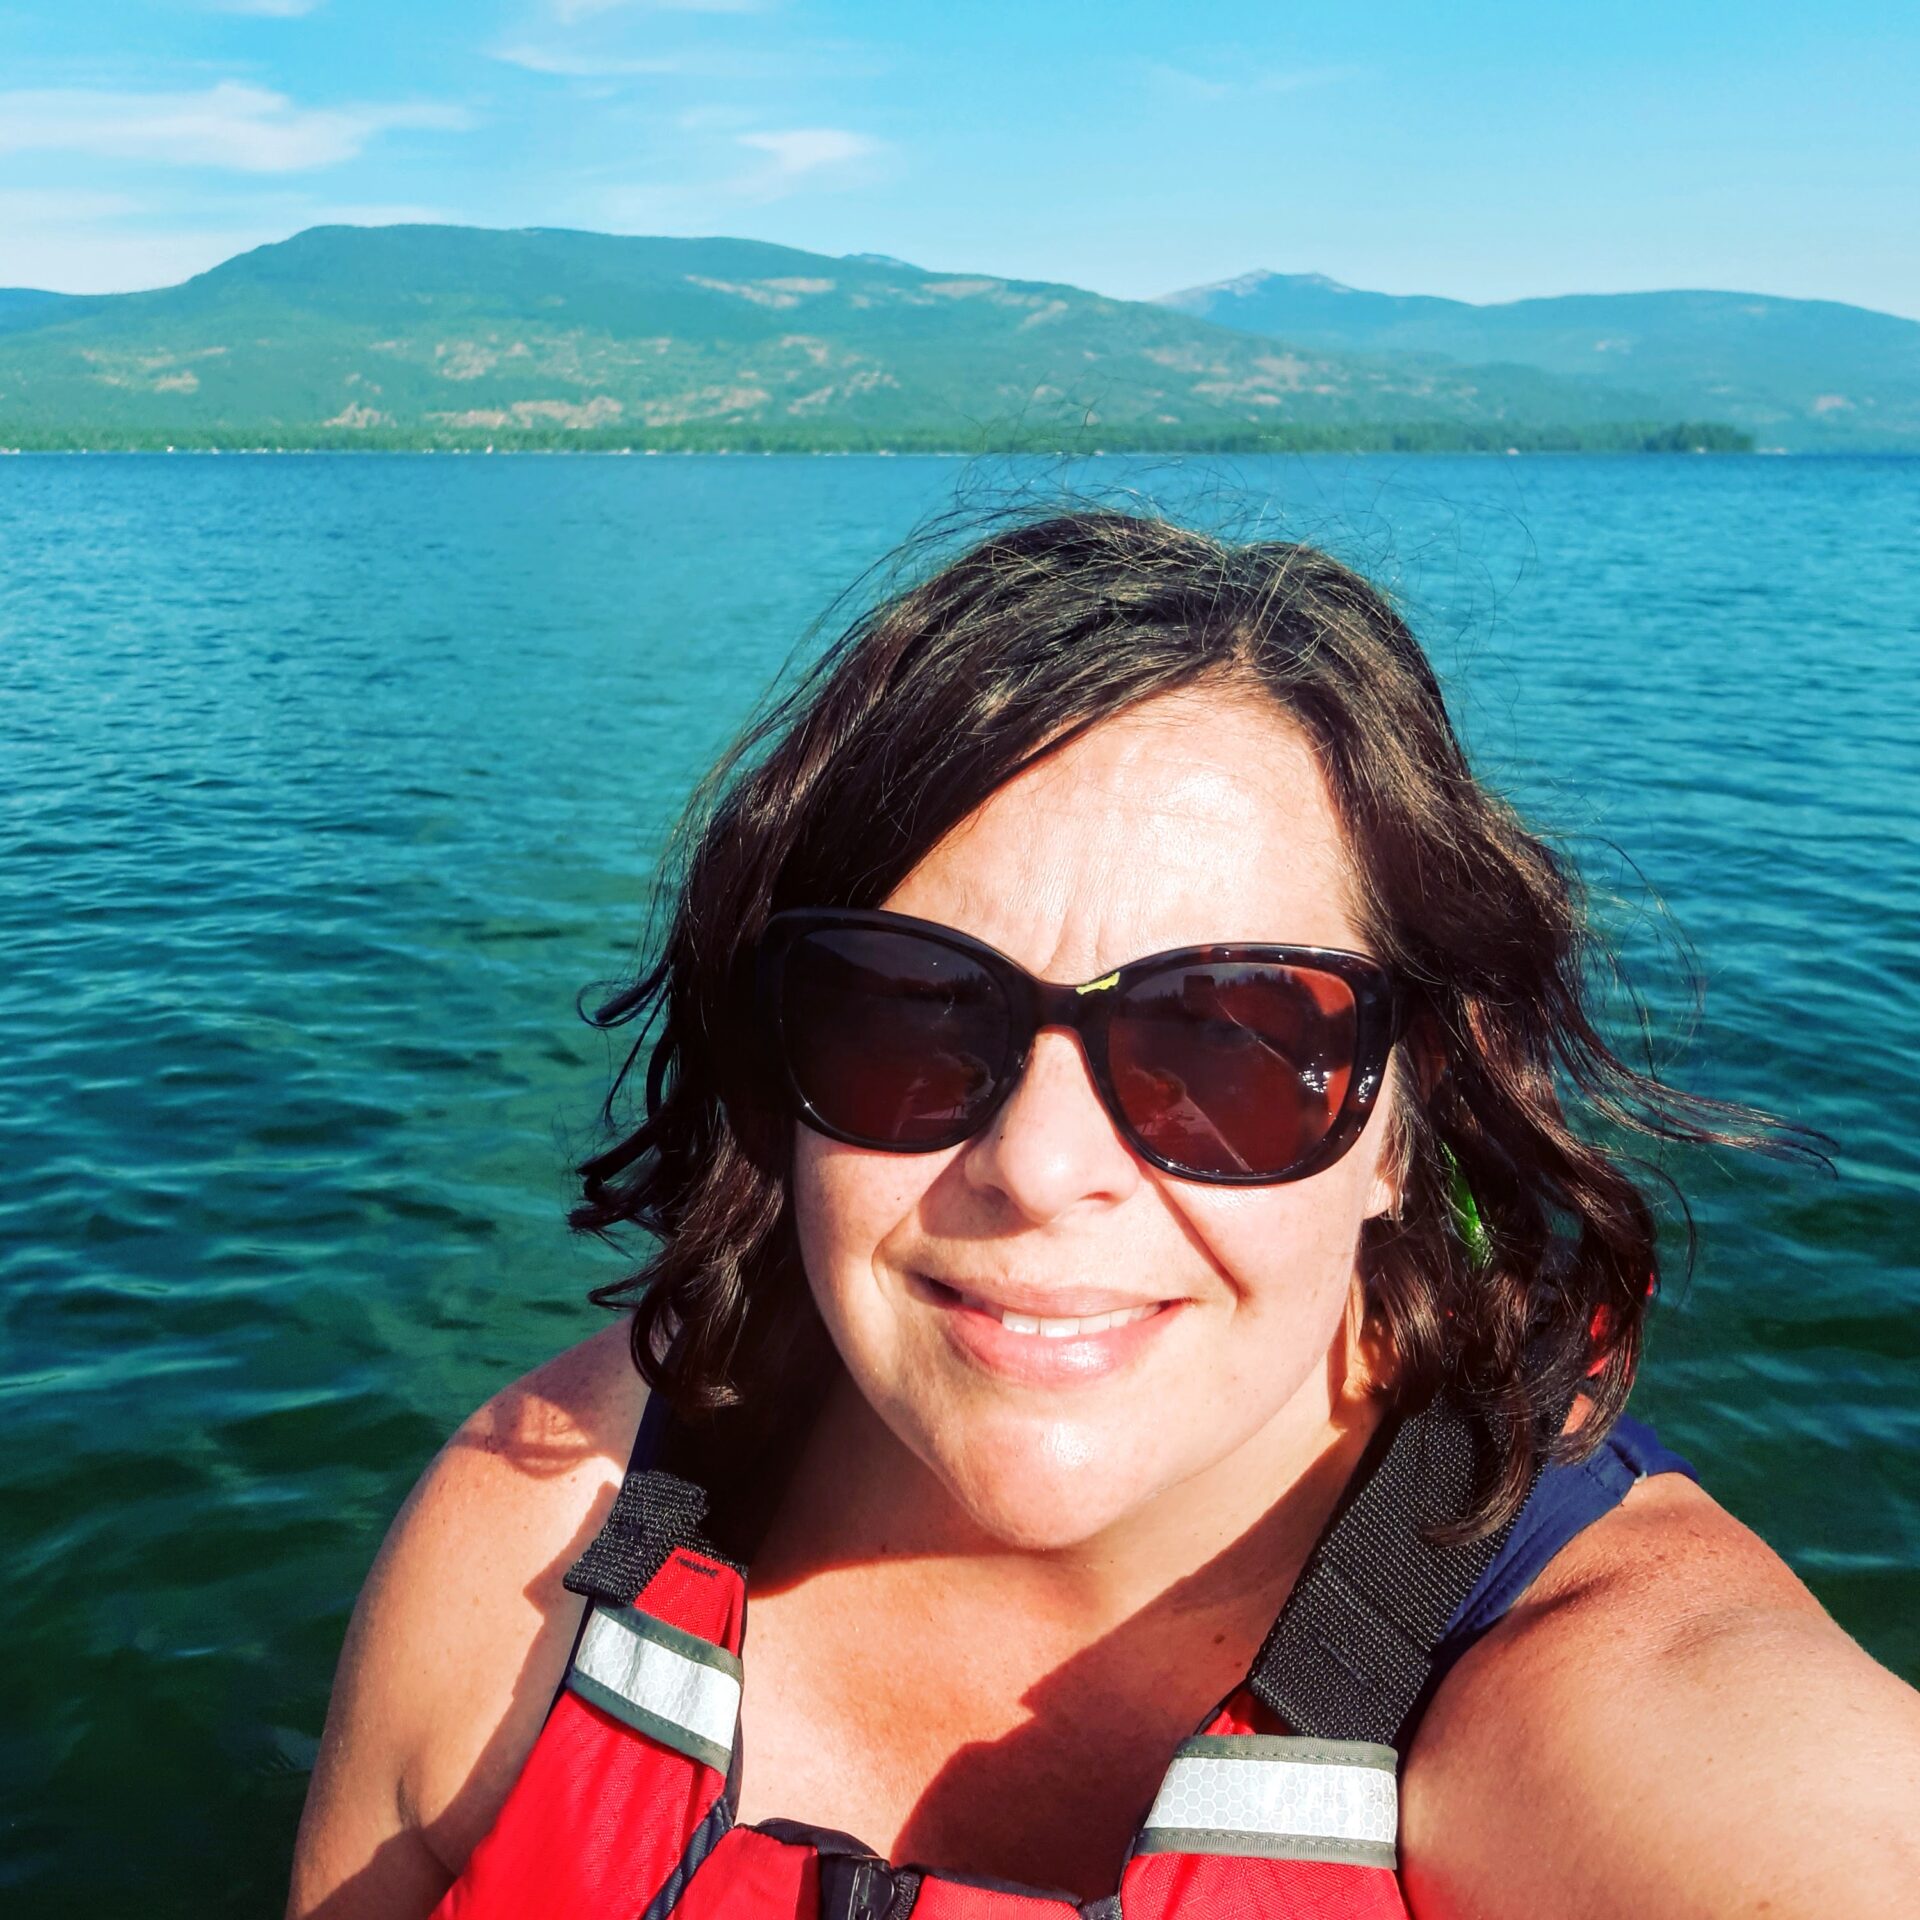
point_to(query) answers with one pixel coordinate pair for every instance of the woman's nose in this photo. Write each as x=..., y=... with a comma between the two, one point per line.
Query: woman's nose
x=1052, y=1147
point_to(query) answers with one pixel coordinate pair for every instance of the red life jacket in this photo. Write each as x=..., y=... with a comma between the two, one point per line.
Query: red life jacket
x=1283, y=1804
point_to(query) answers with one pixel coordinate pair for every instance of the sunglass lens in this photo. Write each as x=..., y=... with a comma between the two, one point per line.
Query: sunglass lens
x=894, y=1039
x=1234, y=1069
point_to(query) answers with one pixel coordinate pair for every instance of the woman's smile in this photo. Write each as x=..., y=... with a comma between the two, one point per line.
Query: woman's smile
x=1060, y=1339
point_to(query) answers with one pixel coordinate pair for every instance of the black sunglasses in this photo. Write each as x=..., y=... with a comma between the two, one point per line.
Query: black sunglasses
x=1239, y=1065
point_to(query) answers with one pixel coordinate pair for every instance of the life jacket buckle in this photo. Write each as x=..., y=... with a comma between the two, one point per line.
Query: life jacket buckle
x=860, y=1887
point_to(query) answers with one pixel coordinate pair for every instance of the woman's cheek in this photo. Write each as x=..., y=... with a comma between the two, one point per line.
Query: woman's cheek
x=848, y=1202
x=828, y=1226
x=1289, y=1269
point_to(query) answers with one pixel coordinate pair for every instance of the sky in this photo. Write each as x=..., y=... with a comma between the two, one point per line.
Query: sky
x=1477, y=149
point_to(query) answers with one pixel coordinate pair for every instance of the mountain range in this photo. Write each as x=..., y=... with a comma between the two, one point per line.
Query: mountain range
x=424, y=335
x=1802, y=374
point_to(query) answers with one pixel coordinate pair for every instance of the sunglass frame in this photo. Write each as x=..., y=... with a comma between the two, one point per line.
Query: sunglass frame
x=1034, y=1005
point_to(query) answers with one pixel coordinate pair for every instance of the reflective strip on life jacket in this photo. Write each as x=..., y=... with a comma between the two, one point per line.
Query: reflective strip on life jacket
x=1277, y=1797
x=668, y=1684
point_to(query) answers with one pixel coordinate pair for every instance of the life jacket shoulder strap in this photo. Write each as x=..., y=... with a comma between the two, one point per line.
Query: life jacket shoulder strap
x=658, y=1646
x=1351, y=1656
x=654, y=1514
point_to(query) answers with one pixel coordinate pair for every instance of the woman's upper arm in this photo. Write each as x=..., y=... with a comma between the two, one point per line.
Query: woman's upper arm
x=1668, y=1725
x=358, y=1852
x=459, y=1637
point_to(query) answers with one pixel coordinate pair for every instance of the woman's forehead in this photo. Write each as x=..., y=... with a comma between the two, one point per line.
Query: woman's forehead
x=1191, y=818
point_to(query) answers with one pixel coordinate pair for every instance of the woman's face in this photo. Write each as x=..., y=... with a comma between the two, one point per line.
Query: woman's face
x=1194, y=818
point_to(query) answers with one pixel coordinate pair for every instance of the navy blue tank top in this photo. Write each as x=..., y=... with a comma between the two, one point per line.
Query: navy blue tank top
x=1565, y=1500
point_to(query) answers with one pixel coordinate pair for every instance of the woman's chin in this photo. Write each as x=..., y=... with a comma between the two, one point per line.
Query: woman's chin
x=1051, y=1489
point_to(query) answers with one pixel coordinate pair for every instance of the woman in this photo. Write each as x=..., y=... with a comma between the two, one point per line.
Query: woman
x=1131, y=1283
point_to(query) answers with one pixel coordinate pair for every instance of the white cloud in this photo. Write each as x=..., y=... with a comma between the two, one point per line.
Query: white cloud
x=712, y=60
x=583, y=66
x=266, y=9
x=247, y=129
x=570, y=10
x=797, y=158
x=807, y=150
x=789, y=162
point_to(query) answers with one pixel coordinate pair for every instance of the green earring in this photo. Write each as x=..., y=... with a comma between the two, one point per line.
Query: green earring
x=1467, y=1223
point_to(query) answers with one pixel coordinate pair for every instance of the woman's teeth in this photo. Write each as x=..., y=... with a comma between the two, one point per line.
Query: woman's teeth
x=1059, y=1329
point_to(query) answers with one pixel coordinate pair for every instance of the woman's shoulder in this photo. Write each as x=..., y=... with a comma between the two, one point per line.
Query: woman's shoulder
x=1666, y=1722
x=463, y=1627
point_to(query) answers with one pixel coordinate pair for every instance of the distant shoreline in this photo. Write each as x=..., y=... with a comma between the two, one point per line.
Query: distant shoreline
x=920, y=453
x=1633, y=437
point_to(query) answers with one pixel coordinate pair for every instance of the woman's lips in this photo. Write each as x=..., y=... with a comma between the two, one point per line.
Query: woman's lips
x=1051, y=1348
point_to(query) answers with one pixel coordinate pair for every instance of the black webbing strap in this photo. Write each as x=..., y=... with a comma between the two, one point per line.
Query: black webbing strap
x=653, y=1513
x=1350, y=1656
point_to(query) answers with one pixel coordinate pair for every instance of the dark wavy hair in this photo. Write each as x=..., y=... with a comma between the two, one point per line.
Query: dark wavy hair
x=940, y=694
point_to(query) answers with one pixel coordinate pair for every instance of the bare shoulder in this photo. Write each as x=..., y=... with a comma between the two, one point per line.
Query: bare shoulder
x=460, y=1635
x=1667, y=1723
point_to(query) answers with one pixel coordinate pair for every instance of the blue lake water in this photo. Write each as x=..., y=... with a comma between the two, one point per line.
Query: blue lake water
x=330, y=782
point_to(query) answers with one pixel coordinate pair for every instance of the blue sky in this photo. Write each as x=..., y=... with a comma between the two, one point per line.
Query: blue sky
x=1482, y=150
